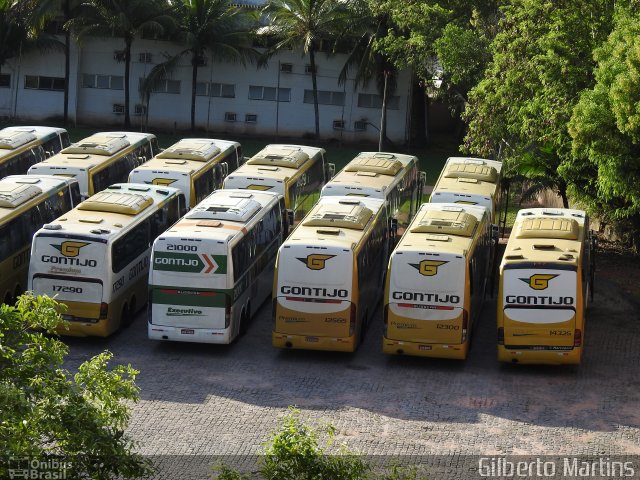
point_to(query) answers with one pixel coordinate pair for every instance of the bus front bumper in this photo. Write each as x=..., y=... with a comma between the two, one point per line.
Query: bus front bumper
x=193, y=335
x=542, y=357
x=433, y=350
x=305, y=342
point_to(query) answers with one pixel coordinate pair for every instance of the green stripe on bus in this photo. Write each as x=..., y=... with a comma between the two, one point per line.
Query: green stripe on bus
x=189, y=297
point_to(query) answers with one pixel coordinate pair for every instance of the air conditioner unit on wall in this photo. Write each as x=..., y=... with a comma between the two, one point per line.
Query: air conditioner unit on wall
x=140, y=110
x=229, y=117
x=118, y=55
x=118, y=109
x=360, y=125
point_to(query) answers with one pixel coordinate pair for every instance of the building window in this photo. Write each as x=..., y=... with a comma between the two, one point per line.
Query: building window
x=44, y=83
x=338, y=124
x=145, y=57
x=167, y=86
x=369, y=100
x=309, y=69
x=286, y=67
x=251, y=118
x=229, y=117
x=325, y=97
x=118, y=108
x=269, y=93
x=224, y=90
x=360, y=125
x=5, y=80
x=112, y=82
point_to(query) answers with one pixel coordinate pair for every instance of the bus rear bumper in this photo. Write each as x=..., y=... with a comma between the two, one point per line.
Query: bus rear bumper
x=194, y=335
x=78, y=328
x=307, y=342
x=433, y=350
x=541, y=357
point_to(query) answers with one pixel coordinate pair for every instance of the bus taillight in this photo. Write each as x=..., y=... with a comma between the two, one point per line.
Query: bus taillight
x=465, y=325
x=227, y=311
x=577, y=338
x=386, y=319
x=352, y=320
x=274, y=305
x=104, y=310
x=501, y=336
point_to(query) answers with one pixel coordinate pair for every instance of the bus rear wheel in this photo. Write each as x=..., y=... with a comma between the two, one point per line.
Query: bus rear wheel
x=125, y=316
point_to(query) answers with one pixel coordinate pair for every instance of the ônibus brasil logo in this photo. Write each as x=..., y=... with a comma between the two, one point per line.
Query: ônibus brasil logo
x=428, y=268
x=539, y=281
x=69, y=248
x=190, y=262
x=315, y=261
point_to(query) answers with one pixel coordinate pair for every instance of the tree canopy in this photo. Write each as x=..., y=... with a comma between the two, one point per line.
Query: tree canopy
x=49, y=413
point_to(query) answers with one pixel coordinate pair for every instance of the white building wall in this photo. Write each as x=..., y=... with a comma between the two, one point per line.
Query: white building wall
x=169, y=111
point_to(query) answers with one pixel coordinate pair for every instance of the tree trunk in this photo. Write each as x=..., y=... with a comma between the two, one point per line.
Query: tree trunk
x=563, y=194
x=419, y=115
x=383, y=116
x=67, y=64
x=314, y=84
x=127, y=73
x=194, y=80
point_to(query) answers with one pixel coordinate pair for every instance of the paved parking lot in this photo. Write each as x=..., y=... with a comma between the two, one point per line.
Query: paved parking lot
x=225, y=400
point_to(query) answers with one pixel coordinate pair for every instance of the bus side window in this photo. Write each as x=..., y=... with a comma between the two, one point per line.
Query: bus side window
x=203, y=185
x=239, y=158
x=64, y=139
x=130, y=246
x=74, y=192
x=155, y=148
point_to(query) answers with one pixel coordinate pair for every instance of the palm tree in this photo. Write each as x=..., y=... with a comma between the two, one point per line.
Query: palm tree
x=122, y=18
x=303, y=24
x=14, y=31
x=368, y=62
x=44, y=11
x=207, y=26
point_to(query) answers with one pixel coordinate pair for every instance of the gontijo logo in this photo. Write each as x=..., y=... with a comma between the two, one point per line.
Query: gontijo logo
x=428, y=268
x=315, y=261
x=539, y=281
x=69, y=248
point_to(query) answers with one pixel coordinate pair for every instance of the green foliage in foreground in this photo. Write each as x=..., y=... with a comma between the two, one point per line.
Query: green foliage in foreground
x=294, y=452
x=46, y=412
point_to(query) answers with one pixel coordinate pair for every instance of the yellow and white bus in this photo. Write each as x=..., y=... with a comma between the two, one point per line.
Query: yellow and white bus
x=546, y=275
x=436, y=281
x=197, y=166
x=100, y=160
x=329, y=274
x=22, y=147
x=95, y=258
x=27, y=203
x=297, y=172
x=391, y=176
x=213, y=269
x=470, y=181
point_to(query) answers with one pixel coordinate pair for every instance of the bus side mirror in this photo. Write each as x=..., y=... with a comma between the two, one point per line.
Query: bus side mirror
x=290, y=219
x=422, y=181
x=394, y=227
x=495, y=232
x=331, y=170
